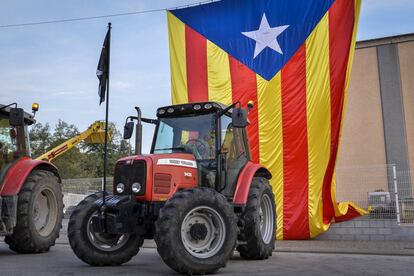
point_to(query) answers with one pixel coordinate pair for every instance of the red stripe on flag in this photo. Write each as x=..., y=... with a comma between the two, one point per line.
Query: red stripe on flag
x=295, y=148
x=352, y=213
x=196, y=59
x=341, y=23
x=244, y=89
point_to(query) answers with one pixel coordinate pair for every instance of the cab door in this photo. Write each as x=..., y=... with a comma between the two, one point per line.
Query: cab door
x=235, y=153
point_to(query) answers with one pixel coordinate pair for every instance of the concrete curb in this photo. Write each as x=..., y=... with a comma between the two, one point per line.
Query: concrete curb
x=348, y=247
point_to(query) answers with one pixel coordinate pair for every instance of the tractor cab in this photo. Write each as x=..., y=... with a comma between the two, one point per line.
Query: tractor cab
x=207, y=131
x=197, y=194
x=14, y=136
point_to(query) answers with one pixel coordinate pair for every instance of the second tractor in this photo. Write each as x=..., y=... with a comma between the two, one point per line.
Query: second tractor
x=31, y=205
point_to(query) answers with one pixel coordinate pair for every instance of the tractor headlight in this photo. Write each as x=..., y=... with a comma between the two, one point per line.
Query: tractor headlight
x=120, y=188
x=136, y=187
x=208, y=106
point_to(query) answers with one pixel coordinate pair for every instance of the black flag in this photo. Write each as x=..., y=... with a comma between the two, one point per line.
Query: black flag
x=103, y=68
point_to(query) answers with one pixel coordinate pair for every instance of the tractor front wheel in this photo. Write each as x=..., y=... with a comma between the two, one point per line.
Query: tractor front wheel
x=196, y=231
x=99, y=249
x=257, y=236
x=39, y=214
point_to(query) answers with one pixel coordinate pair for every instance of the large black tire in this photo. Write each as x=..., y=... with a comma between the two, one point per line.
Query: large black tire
x=252, y=244
x=99, y=249
x=214, y=212
x=39, y=214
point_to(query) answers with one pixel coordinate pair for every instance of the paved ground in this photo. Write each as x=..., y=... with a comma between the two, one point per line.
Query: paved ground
x=317, y=246
x=291, y=258
x=61, y=261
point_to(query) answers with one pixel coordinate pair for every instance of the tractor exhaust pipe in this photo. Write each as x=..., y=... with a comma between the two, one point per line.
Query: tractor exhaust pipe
x=129, y=129
x=138, y=133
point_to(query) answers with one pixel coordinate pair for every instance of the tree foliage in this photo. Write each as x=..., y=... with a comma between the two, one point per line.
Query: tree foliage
x=84, y=160
x=41, y=138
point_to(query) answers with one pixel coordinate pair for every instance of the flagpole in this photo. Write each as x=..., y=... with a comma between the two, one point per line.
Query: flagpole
x=106, y=117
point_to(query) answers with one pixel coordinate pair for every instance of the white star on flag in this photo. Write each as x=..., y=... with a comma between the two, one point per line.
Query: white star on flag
x=266, y=36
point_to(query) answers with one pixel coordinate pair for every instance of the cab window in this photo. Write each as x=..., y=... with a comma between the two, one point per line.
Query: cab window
x=234, y=151
x=191, y=134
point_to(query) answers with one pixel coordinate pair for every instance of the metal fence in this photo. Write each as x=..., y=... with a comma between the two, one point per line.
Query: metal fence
x=75, y=190
x=375, y=188
x=384, y=190
x=84, y=185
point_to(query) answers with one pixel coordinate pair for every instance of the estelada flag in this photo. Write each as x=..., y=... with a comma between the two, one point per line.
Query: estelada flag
x=293, y=59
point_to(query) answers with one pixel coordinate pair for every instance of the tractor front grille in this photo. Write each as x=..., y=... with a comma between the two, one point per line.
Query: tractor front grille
x=162, y=183
x=128, y=172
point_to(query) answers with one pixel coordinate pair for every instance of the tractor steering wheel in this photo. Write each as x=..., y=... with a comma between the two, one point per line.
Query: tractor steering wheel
x=201, y=146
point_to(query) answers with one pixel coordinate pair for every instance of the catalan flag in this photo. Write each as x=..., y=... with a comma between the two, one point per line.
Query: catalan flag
x=293, y=59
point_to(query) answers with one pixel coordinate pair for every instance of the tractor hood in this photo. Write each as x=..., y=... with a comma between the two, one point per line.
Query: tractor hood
x=159, y=175
x=167, y=159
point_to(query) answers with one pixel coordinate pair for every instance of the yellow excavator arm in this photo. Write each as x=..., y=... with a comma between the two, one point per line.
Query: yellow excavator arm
x=95, y=134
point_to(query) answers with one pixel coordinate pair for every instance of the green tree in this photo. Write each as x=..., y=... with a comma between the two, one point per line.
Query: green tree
x=84, y=160
x=40, y=139
x=69, y=163
x=63, y=132
x=117, y=148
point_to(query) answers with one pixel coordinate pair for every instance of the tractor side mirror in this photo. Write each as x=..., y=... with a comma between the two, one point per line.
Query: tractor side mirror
x=16, y=117
x=239, y=118
x=128, y=130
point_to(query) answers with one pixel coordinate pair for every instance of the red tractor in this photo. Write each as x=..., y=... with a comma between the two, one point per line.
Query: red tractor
x=198, y=194
x=31, y=205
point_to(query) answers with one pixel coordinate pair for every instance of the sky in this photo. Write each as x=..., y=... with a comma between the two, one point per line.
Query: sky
x=55, y=64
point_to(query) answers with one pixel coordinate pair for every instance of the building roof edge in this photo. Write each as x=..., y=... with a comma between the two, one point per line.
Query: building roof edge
x=385, y=40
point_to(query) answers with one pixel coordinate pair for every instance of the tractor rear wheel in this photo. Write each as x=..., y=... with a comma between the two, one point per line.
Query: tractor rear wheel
x=39, y=214
x=99, y=249
x=196, y=231
x=257, y=235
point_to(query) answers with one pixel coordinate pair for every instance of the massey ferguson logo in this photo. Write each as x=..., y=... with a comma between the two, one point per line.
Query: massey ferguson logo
x=188, y=174
x=177, y=162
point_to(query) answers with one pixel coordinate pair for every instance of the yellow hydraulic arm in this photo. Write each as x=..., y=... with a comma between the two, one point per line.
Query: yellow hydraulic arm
x=95, y=134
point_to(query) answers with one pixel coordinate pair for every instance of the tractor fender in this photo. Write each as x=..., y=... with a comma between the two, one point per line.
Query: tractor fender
x=17, y=174
x=245, y=179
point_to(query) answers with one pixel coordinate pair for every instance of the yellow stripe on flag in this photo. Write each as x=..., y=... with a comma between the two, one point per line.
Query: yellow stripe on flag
x=218, y=72
x=271, y=138
x=176, y=37
x=318, y=120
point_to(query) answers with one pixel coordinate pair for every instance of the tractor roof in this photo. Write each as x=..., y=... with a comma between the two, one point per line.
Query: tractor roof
x=190, y=109
x=28, y=118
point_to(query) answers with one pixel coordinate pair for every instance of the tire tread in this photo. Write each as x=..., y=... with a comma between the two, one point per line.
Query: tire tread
x=168, y=216
x=252, y=246
x=23, y=239
x=86, y=251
